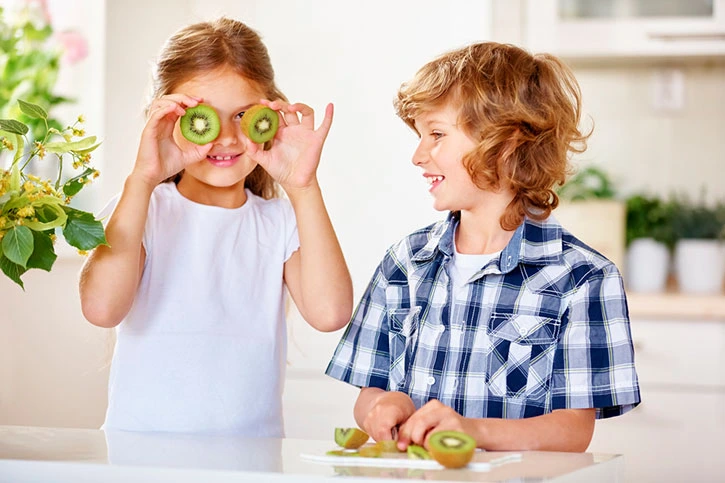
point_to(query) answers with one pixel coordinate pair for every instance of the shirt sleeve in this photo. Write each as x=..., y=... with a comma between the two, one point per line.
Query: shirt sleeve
x=594, y=359
x=362, y=355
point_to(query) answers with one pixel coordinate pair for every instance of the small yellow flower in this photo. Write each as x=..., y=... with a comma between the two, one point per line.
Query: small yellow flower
x=53, y=236
x=81, y=119
x=83, y=252
x=8, y=145
x=40, y=148
x=79, y=132
x=96, y=173
x=26, y=212
x=67, y=137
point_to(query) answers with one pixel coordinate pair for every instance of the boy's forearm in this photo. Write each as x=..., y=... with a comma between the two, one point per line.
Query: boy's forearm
x=562, y=430
x=325, y=283
x=110, y=276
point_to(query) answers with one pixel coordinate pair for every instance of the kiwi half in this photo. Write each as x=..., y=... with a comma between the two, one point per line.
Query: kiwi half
x=200, y=124
x=452, y=449
x=259, y=123
x=350, y=438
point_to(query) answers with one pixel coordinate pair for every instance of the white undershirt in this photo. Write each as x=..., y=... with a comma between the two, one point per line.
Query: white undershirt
x=465, y=265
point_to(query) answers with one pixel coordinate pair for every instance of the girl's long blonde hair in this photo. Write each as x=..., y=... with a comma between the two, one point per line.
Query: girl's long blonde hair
x=208, y=46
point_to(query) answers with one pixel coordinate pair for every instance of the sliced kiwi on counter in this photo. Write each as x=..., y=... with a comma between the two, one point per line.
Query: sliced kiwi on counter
x=259, y=123
x=370, y=451
x=200, y=124
x=388, y=446
x=350, y=438
x=452, y=449
x=416, y=452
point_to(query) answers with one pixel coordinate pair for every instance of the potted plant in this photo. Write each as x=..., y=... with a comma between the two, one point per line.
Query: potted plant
x=589, y=209
x=649, y=241
x=699, y=260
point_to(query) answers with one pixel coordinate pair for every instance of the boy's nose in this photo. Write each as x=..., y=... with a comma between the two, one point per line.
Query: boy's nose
x=420, y=155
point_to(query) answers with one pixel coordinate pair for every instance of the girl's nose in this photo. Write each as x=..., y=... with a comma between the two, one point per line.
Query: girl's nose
x=229, y=133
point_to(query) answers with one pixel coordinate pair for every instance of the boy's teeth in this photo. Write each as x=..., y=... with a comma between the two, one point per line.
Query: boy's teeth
x=433, y=179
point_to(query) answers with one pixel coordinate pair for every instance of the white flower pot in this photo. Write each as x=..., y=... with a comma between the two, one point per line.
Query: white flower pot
x=700, y=266
x=648, y=265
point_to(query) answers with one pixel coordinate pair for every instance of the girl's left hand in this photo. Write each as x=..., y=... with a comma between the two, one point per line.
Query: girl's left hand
x=296, y=147
x=433, y=416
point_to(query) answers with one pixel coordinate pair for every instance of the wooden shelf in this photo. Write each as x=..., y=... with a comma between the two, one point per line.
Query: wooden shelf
x=675, y=305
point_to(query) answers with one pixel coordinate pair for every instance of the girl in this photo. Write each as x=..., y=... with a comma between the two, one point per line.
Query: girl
x=200, y=251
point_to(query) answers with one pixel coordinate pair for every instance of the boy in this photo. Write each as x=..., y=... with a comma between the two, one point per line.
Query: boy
x=495, y=321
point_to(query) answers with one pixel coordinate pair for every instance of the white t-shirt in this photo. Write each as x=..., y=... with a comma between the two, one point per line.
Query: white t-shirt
x=465, y=265
x=203, y=349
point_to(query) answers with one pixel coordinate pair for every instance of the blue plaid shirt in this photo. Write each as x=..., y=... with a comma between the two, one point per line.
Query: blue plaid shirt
x=544, y=326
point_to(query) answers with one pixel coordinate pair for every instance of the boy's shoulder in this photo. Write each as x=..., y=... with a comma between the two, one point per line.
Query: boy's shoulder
x=419, y=246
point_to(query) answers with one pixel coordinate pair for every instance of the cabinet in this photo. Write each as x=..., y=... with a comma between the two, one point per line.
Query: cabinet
x=600, y=29
x=675, y=434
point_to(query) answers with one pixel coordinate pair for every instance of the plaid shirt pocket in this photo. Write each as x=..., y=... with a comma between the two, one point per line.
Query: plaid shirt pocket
x=522, y=354
x=401, y=339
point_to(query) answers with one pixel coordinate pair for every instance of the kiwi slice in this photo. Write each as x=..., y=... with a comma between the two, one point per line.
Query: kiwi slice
x=200, y=124
x=388, y=446
x=260, y=123
x=350, y=438
x=370, y=451
x=452, y=449
x=416, y=452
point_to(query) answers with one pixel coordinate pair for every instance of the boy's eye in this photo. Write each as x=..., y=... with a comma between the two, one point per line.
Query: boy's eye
x=436, y=134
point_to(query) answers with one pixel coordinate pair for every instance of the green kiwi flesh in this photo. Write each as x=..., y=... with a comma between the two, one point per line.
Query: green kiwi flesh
x=416, y=452
x=259, y=123
x=200, y=124
x=451, y=449
x=350, y=438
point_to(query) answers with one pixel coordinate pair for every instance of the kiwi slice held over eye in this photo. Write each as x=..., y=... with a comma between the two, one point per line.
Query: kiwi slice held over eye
x=350, y=437
x=452, y=449
x=200, y=124
x=260, y=123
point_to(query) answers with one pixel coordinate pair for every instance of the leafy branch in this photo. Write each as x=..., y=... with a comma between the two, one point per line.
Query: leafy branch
x=32, y=209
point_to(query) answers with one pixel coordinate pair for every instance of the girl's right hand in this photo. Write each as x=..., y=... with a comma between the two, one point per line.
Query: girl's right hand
x=159, y=156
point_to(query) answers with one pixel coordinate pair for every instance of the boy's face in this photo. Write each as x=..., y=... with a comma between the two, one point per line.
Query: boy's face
x=439, y=153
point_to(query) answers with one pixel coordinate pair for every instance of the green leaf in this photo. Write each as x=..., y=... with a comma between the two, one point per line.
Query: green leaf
x=61, y=147
x=12, y=270
x=18, y=245
x=32, y=110
x=75, y=184
x=43, y=255
x=82, y=230
x=13, y=126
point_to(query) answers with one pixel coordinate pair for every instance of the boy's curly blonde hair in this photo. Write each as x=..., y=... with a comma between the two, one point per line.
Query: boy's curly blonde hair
x=522, y=110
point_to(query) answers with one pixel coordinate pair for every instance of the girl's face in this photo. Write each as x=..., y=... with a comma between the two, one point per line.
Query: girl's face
x=226, y=166
x=439, y=153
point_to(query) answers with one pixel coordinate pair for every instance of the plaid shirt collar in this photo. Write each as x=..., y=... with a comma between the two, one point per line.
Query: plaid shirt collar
x=533, y=242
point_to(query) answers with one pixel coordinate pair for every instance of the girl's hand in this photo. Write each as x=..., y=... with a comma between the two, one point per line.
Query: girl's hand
x=390, y=410
x=159, y=156
x=297, y=146
x=433, y=416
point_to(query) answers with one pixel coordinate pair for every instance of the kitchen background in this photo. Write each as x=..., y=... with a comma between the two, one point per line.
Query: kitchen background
x=658, y=108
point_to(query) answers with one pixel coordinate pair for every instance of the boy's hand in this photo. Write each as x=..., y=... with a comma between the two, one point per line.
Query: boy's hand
x=297, y=146
x=433, y=416
x=159, y=156
x=389, y=411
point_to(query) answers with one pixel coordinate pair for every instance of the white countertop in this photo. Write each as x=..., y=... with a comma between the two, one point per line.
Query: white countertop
x=30, y=454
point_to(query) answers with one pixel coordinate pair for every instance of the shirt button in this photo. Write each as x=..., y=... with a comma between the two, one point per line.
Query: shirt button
x=523, y=331
x=431, y=380
x=441, y=328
